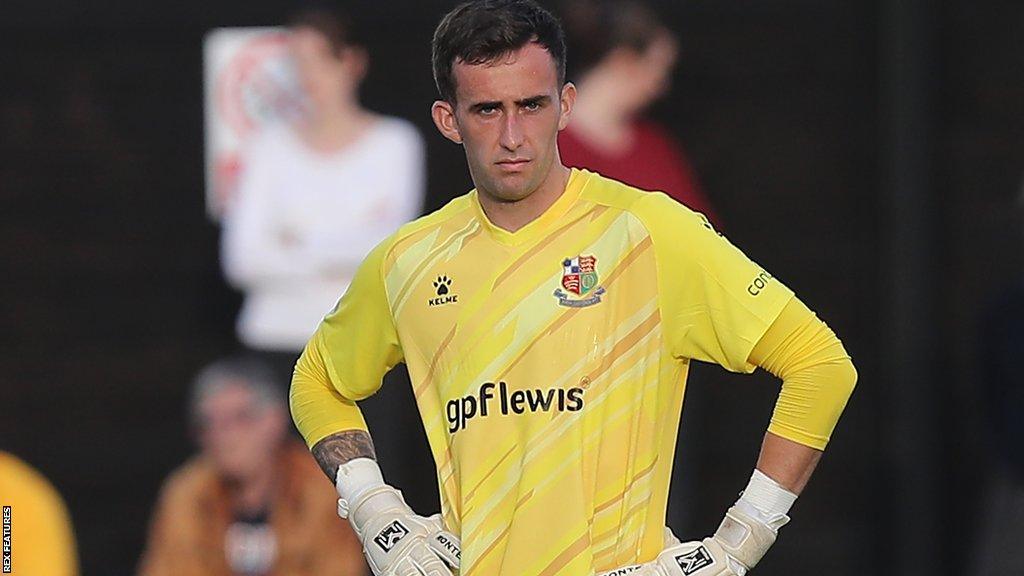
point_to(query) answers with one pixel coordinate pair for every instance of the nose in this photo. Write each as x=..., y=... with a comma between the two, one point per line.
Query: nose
x=511, y=133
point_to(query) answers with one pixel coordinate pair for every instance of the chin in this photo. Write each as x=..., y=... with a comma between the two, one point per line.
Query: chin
x=513, y=189
x=510, y=195
x=237, y=473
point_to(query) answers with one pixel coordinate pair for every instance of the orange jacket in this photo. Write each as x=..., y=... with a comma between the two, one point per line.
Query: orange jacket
x=187, y=534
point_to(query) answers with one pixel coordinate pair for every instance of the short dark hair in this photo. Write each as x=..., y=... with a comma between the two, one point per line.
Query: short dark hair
x=331, y=23
x=594, y=28
x=481, y=31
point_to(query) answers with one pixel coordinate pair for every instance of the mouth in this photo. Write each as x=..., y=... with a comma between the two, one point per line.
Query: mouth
x=512, y=164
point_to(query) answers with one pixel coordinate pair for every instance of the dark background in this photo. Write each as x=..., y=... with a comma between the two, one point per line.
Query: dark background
x=868, y=153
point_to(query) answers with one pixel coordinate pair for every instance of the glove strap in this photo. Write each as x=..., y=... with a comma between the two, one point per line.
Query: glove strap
x=363, y=493
x=356, y=476
x=745, y=536
x=752, y=524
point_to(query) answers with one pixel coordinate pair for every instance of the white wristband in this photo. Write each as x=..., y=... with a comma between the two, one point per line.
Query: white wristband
x=752, y=524
x=363, y=492
x=767, y=496
x=357, y=476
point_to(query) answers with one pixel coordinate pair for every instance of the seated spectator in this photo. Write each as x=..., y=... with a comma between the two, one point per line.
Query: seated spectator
x=623, y=58
x=252, y=502
x=42, y=538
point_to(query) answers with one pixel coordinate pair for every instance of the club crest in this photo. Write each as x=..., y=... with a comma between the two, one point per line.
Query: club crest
x=580, y=279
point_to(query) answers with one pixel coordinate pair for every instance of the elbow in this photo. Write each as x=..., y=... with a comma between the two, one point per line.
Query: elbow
x=301, y=391
x=847, y=379
x=238, y=269
x=236, y=274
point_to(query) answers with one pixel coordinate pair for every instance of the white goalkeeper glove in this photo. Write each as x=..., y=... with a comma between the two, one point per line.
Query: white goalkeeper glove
x=395, y=540
x=748, y=530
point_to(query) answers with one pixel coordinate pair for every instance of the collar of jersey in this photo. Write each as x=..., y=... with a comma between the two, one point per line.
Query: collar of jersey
x=573, y=189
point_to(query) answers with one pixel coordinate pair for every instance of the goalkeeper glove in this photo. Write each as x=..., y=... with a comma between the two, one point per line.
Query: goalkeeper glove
x=396, y=541
x=748, y=530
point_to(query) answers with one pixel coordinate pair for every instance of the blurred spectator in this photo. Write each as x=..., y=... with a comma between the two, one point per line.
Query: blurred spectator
x=622, y=58
x=317, y=195
x=42, y=538
x=1002, y=347
x=253, y=502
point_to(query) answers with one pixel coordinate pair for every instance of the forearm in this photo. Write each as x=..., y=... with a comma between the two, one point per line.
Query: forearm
x=331, y=424
x=256, y=258
x=751, y=525
x=818, y=378
x=340, y=448
x=787, y=462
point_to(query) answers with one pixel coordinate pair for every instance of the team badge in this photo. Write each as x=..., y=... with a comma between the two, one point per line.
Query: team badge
x=579, y=277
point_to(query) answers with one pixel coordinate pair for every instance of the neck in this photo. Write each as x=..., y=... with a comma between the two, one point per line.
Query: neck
x=598, y=115
x=334, y=126
x=253, y=493
x=512, y=216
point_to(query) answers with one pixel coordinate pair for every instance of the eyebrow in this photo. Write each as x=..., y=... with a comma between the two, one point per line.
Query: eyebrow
x=539, y=99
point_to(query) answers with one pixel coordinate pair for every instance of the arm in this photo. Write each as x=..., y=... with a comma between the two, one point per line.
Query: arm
x=818, y=378
x=338, y=550
x=344, y=361
x=787, y=462
x=158, y=557
x=328, y=418
x=340, y=448
x=390, y=532
x=171, y=546
x=255, y=247
x=721, y=307
x=396, y=197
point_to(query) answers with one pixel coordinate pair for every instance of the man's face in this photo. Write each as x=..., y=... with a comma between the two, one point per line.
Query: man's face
x=327, y=77
x=650, y=75
x=644, y=77
x=237, y=432
x=507, y=116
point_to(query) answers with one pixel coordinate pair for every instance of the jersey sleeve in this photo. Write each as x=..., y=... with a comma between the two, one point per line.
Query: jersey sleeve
x=716, y=303
x=817, y=375
x=358, y=340
x=347, y=356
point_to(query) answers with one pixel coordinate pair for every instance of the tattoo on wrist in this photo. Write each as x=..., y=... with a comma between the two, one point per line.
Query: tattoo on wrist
x=339, y=448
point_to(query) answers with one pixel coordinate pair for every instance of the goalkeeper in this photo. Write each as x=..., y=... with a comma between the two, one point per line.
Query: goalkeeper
x=548, y=319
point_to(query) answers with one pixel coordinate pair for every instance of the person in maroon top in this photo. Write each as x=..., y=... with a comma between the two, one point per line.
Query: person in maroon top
x=624, y=57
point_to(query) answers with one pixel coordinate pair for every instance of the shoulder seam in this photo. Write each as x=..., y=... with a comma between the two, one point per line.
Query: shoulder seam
x=629, y=206
x=435, y=218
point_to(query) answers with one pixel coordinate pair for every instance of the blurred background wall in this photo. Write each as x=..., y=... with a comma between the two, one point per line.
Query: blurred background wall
x=867, y=153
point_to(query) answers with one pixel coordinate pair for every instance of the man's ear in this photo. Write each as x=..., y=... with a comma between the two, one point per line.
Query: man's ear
x=567, y=100
x=444, y=118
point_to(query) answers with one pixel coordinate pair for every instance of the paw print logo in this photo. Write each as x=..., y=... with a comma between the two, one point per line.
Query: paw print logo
x=441, y=284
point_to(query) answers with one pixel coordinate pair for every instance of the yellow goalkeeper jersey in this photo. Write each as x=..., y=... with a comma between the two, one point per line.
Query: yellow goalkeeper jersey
x=549, y=364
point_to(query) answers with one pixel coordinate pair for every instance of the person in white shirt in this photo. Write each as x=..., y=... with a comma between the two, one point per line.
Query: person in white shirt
x=316, y=195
